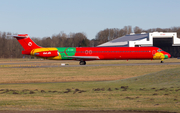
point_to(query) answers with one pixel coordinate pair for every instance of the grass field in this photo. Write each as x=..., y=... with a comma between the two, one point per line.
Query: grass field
x=144, y=88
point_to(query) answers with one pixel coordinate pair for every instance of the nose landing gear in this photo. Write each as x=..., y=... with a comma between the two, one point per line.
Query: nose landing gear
x=162, y=61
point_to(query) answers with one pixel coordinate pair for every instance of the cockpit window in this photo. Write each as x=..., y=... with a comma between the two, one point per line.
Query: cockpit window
x=159, y=50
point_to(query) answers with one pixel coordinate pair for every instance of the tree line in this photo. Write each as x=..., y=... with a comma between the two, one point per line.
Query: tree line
x=10, y=47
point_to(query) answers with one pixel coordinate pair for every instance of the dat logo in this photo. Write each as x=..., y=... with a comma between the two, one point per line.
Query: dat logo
x=45, y=53
x=30, y=44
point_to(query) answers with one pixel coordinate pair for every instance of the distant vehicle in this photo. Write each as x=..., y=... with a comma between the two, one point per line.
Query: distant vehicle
x=84, y=54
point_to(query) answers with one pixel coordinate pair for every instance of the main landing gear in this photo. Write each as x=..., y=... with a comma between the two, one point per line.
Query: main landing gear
x=82, y=62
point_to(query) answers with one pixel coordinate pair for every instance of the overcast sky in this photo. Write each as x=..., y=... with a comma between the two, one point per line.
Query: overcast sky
x=43, y=18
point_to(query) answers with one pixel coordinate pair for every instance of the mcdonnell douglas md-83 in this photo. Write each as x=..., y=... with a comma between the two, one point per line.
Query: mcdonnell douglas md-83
x=84, y=54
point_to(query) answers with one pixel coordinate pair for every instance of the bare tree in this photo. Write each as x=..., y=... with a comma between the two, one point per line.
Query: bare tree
x=137, y=30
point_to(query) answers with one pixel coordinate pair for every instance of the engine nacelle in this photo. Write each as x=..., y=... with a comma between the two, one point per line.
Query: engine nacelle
x=45, y=52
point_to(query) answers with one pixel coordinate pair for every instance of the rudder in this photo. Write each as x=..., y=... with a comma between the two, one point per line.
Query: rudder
x=26, y=42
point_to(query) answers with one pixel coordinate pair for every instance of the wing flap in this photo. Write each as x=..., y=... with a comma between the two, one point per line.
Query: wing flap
x=83, y=57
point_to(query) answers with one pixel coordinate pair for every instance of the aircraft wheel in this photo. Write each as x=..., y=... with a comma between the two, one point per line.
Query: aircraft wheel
x=82, y=63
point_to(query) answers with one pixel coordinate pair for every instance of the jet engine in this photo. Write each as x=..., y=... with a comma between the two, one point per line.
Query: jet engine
x=45, y=52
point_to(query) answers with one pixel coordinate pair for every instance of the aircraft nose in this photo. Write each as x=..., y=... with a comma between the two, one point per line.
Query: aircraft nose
x=167, y=55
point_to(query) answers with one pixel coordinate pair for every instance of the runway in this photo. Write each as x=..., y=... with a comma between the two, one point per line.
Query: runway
x=12, y=65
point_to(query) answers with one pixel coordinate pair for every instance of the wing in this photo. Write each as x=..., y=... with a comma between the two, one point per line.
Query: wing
x=83, y=57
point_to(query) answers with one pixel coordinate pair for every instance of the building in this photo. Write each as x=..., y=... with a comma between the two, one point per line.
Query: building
x=168, y=41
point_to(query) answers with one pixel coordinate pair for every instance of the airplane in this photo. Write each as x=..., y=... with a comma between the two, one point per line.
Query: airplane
x=83, y=54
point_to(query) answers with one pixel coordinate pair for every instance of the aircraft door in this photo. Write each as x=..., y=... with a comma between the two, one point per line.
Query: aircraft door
x=153, y=52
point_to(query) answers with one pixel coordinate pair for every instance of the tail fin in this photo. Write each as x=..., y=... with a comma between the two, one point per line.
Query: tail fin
x=26, y=42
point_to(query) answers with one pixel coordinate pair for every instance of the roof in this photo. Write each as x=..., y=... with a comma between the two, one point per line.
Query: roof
x=124, y=40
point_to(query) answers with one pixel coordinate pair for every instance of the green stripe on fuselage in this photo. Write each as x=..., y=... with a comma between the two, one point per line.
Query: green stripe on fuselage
x=66, y=51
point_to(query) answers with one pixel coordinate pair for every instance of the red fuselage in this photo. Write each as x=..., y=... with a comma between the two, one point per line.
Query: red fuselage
x=119, y=53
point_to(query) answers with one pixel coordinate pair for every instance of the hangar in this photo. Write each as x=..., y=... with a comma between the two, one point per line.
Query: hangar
x=168, y=41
